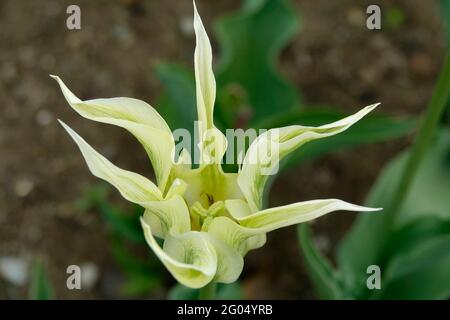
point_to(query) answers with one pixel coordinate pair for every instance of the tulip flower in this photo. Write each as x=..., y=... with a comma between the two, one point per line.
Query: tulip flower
x=208, y=219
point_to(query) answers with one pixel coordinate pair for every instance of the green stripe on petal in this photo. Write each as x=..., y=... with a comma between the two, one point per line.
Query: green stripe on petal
x=132, y=186
x=240, y=238
x=189, y=257
x=229, y=261
x=213, y=143
x=265, y=153
x=237, y=208
x=136, y=116
x=167, y=215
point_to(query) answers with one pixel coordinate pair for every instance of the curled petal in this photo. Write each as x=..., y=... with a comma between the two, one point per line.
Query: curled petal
x=167, y=215
x=238, y=208
x=229, y=262
x=189, y=257
x=178, y=186
x=264, y=154
x=240, y=238
x=132, y=186
x=136, y=116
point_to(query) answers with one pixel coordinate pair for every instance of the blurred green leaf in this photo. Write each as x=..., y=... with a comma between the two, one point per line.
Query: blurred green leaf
x=395, y=17
x=40, y=285
x=365, y=243
x=127, y=226
x=445, y=4
x=143, y=274
x=232, y=291
x=322, y=274
x=180, y=292
x=90, y=196
x=410, y=235
x=130, y=262
x=140, y=285
x=422, y=273
x=251, y=41
x=177, y=105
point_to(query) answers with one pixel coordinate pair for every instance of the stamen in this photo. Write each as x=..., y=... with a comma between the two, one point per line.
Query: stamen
x=205, y=216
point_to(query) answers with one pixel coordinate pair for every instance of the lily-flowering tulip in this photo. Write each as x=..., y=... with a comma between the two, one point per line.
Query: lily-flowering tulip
x=208, y=219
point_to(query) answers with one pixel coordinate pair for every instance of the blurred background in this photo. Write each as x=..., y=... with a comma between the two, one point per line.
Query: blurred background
x=53, y=213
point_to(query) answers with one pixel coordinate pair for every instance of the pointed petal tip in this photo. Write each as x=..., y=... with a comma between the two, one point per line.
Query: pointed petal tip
x=57, y=79
x=195, y=10
x=64, y=125
x=368, y=209
x=198, y=23
x=354, y=207
x=370, y=108
x=374, y=209
x=75, y=136
x=195, y=7
x=373, y=106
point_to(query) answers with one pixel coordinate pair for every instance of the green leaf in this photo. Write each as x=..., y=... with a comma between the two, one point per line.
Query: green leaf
x=395, y=17
x=445, y=4
x=365, y=243
x=322, y=274
x=406, y=255
x=251, y=41
x=231, y=291
x=130, y=263
x=413, y=233
x=422, y=273
x=177, y=105
x=142, y=275
x=90, y=196
x=126, y=225
x=40, y=285
x=140, y=285
x=180, y=292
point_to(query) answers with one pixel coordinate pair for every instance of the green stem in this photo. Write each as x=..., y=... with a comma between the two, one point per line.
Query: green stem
x=424, y=136
x=208, y=292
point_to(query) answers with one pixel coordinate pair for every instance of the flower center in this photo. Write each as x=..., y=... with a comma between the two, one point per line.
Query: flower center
x=201, y=217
